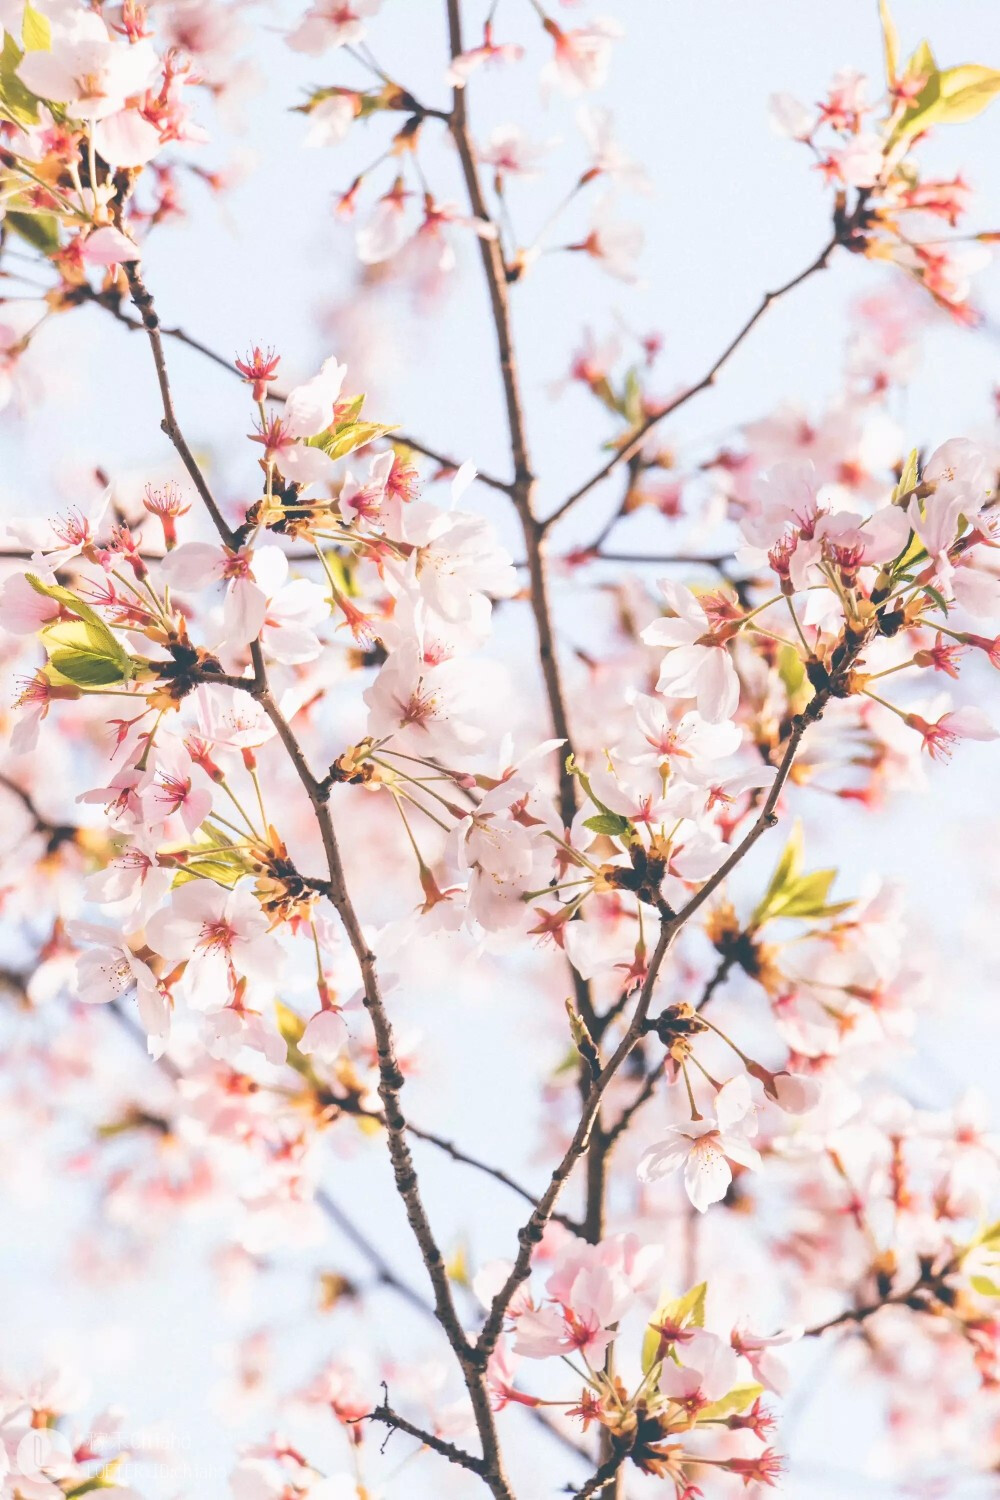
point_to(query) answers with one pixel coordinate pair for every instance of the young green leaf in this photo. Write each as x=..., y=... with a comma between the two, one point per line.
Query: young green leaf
x=674, y=1312
x=739, y=1398
x=612, y=825
x=890, y=42
x=36, y=33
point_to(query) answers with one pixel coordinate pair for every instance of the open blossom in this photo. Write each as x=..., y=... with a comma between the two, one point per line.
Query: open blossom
x=325, y=1036
x=861, y=162
x=456, y=557
x=960, y=484
x=194, y=565
x=134, y=883
x=180, y=788
x=705, y=1147
x=707, y=1369
x=942, y=735
x=308, y=412
x=757, y=1349
x=509, y=151
x=222, y=936
x=661, y=737
x=332, y=23
x=423, y=707
x=589, y=1290
x=330, y=119
x=581, y=58
x=291, y=611
x=607, y=159
x=386, y=232
x=87, y=68
x=616, y=245
x=465, y=64
x=57, y=539
x=109, y=969
x=697, y=664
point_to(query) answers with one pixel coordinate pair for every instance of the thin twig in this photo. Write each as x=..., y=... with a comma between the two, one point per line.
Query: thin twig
x=111, y=303
x=384, y=1413
x=648, y=1088
x=532, y=1231
x=638, y=436
x=602, y=1477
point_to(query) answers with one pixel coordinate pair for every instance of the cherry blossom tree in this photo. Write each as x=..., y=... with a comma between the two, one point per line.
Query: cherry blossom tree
x=322, y=740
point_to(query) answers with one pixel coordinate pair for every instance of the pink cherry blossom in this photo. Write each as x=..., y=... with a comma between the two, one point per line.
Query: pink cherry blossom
x=705, y=1147
x=697, y=664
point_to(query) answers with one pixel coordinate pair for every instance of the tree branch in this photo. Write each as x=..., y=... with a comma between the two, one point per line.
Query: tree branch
x=602, y=1477
x=112, y=304
x=522, y=491
x=391, y=1078
x=384, y=1413
x=635, y=441
x=648, y=1088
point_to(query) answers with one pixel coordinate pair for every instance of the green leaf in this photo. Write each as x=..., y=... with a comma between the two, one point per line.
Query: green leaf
x=984, y=1286
x=86, y=654
x=679, y=1312
x=965, y=92
x=791, y=670
x=341, y=567
x=937, y=596
x=290, y=1025
x=350, y=411
x=922, y=64
x=88, y=637
x=36, y=33
x=908, y=477
x=39, y=230
x=68, y=600
x=572, y=769
x=85, y=669
x=613, y=825
x=212, y=857
x=739, y=1398
x=632, y=403
x=17, y=100
x=988, y=1238
x=890, y=41
x=786, y=871
x=792, y=894
x=807, y=897
x=948, y=97
x=347, y=436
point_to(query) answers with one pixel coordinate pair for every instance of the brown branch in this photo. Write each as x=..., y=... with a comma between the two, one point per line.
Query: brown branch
x=523, y=489
x=648, y=1088
x=391, y=1079
x=112, y=304
x=918, y=1298
x=602, y=1477
x=634, y=442
x=350, y=1231
x=532, y=1231
x=384, y=1413
x=147, y=312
